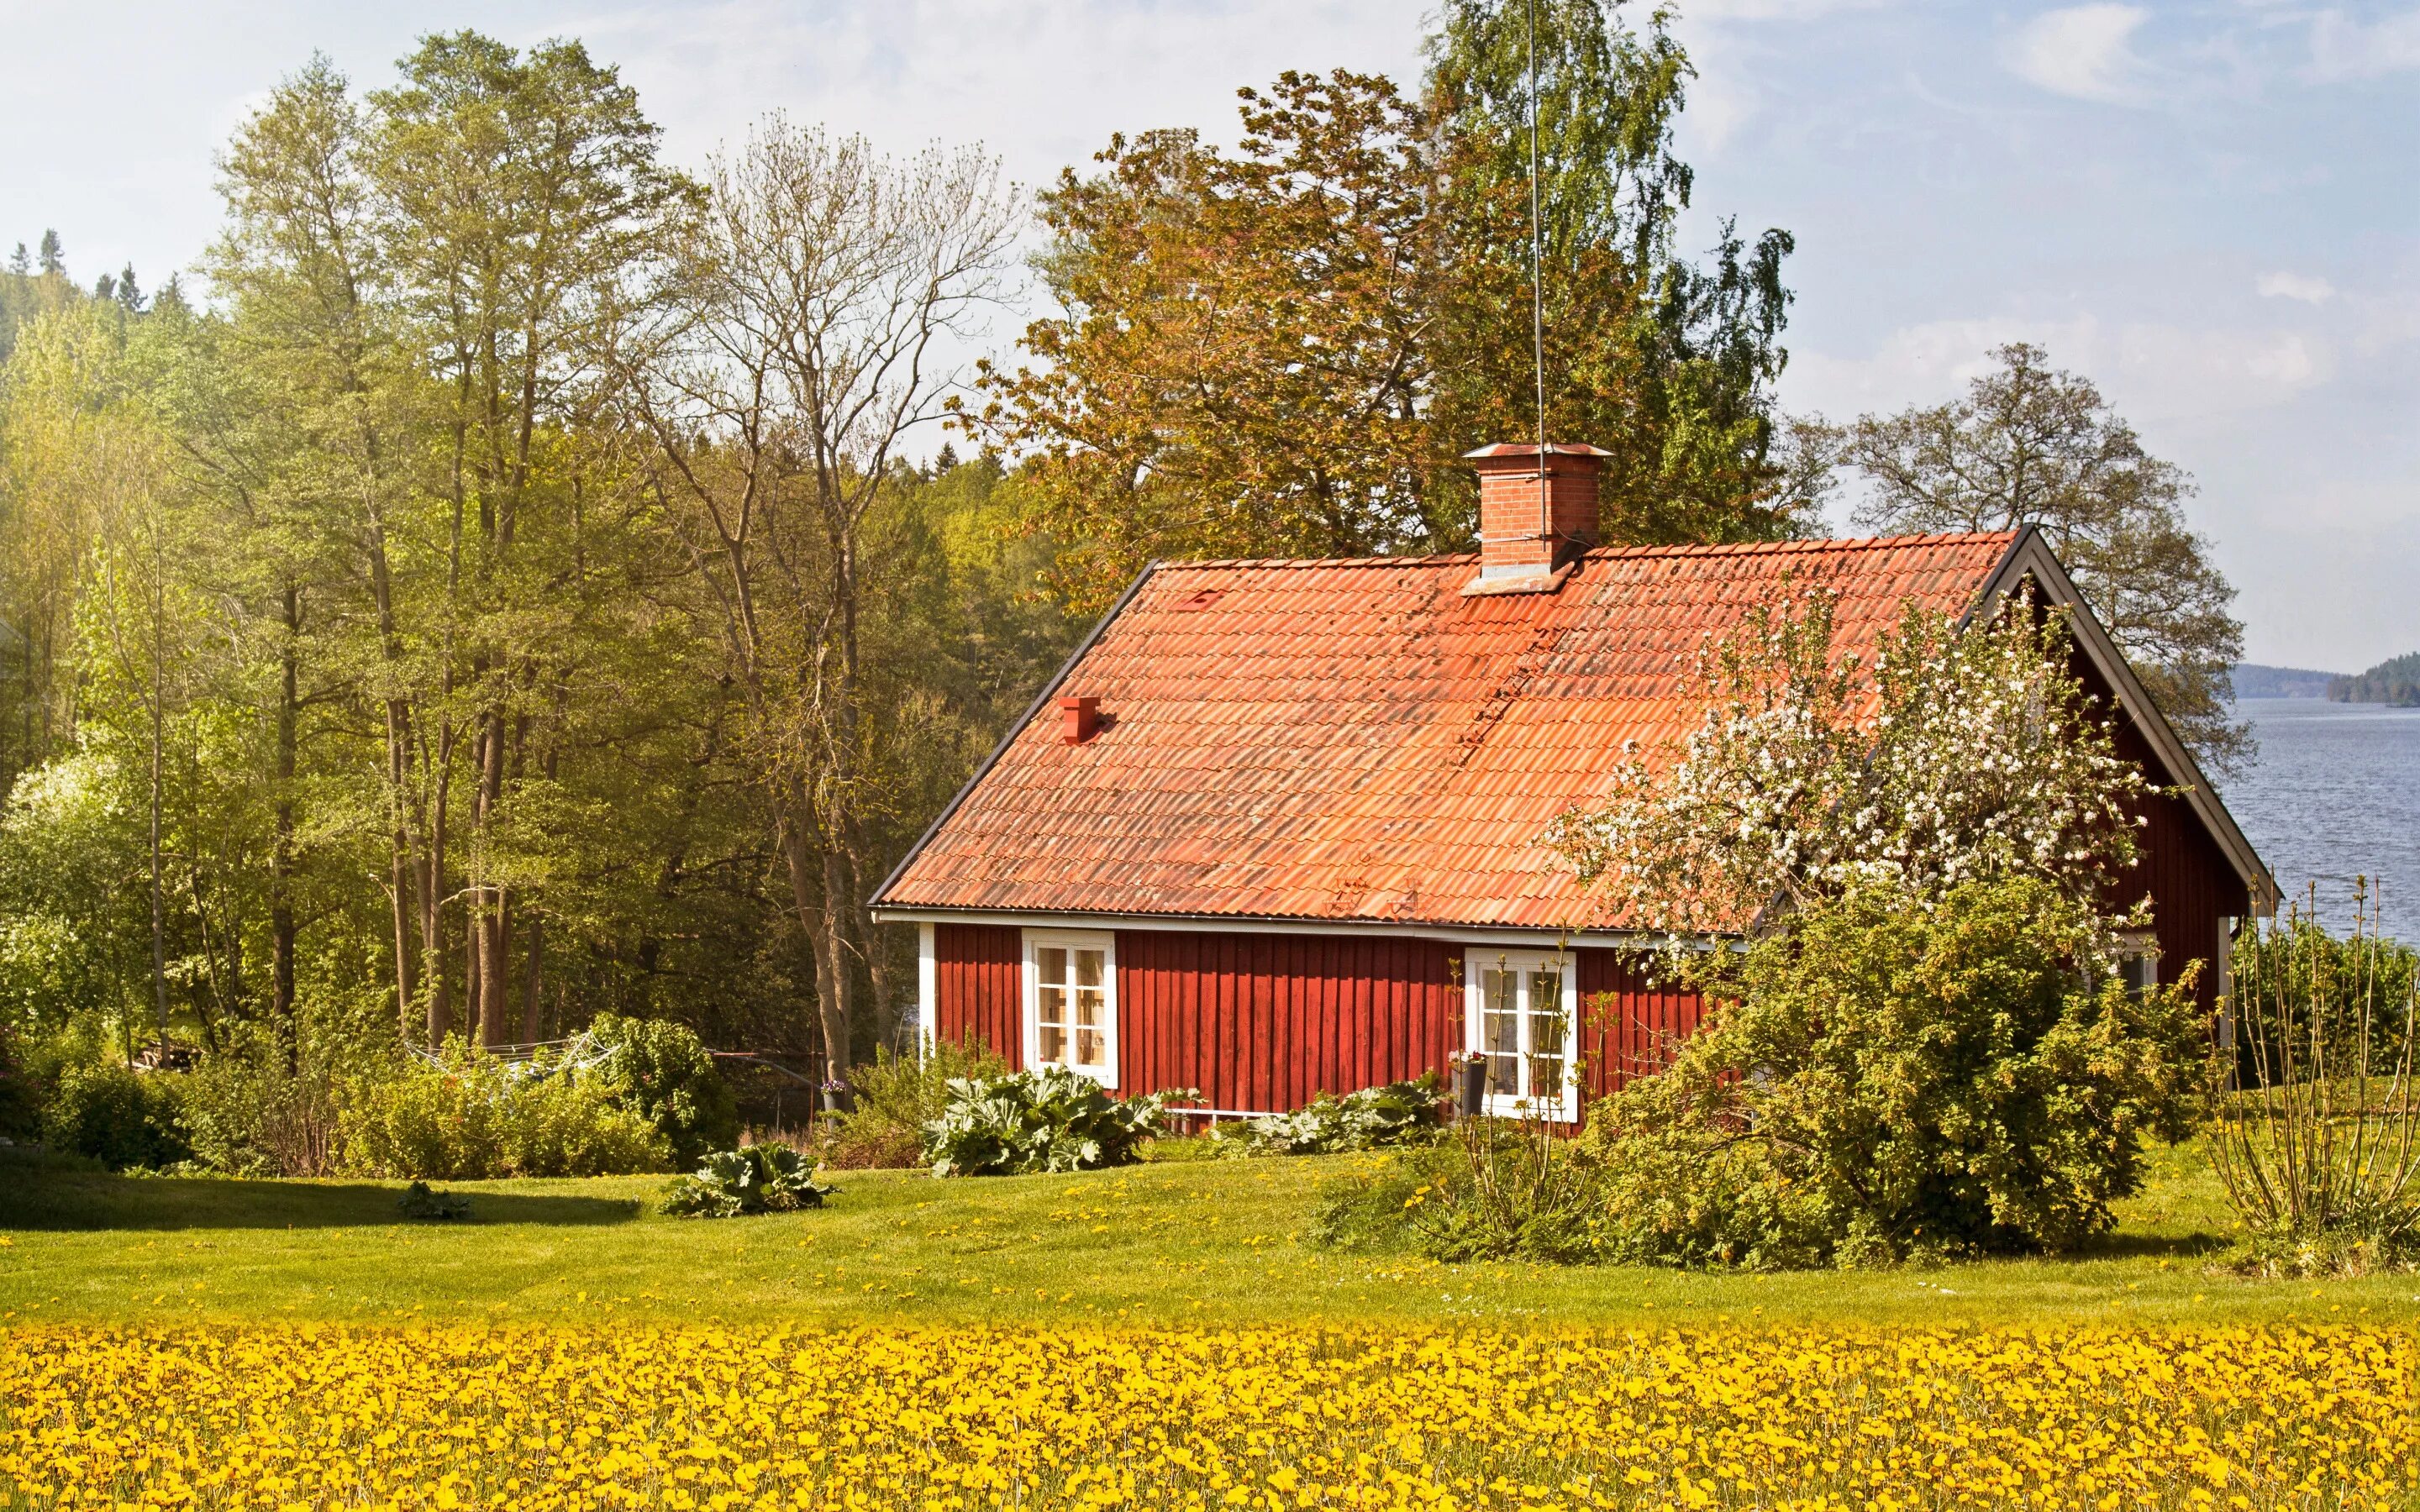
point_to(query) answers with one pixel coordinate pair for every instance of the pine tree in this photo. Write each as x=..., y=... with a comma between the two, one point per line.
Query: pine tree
x=18, y=263
x=104, y=288
x=128, y=294
x=53, y=258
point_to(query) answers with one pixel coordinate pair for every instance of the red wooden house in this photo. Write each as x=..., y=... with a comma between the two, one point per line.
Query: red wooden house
x=1274, y=828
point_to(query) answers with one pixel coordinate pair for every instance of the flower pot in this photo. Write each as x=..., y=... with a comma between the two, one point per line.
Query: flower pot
x=839, y=1100
x=1471, y=1098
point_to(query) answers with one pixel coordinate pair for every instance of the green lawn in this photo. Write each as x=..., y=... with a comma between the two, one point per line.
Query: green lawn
x=1175, y=1241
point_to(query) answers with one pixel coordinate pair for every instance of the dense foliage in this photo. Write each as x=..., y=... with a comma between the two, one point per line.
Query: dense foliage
x=471, y=1116
x=667, y=1077
x=1373, y=1118
x=1049, y=1120
x=1889, y=1081
x=2396, y=681
x=893, y=1098
x=1285, y=350
x=117, y=1117
x=752, y=1179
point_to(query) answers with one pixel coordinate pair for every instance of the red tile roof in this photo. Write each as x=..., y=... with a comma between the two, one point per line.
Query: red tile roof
x=1358, y=740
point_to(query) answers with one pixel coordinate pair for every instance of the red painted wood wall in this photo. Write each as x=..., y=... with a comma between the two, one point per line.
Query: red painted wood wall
x=977, y=974
x=2189, y=880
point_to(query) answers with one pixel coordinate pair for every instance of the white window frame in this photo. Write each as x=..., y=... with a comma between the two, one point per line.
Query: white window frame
x=1476, y=962
x=1106, y=942
x=2138, y=945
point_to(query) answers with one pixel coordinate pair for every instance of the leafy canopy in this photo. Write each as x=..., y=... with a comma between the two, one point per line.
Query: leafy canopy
x=1285, y=350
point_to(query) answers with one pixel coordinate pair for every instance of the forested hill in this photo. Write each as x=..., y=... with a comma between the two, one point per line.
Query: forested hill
x=2396, y=681
x=2252, y=680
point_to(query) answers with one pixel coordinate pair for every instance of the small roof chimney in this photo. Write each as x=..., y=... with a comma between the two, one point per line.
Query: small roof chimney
x=1527, y=530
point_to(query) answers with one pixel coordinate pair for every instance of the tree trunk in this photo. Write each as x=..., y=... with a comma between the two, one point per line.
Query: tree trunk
x=533, y=980
x=159, y=738
x=281, y=850
x=807, y=874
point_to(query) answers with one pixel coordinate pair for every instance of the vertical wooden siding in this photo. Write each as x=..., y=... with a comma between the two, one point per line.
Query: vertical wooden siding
x=1266, y=1022
x=1628, y=1029
x=2178, y=867
x=978, y=972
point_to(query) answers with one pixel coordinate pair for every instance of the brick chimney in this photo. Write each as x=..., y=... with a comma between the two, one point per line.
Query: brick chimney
x=1526, y=532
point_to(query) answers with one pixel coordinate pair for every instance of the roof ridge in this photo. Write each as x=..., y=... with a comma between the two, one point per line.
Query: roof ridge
x=1797, y=545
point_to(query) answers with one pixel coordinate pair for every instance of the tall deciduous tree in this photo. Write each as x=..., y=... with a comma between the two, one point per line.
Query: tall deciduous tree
x=820, y=287
x=1286, y=349
x=2029, y=444
x=520, y=198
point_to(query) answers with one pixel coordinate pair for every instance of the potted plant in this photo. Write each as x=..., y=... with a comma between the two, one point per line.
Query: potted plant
x=837, y=1096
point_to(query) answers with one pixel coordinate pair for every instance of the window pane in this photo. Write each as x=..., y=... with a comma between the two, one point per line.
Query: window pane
x=1088, y=968
x=1051, y=1044
x=1051, y=1004
x=1050, y=964
x=1092, y=1049
x=1547, y=1076
x=1547, y=1027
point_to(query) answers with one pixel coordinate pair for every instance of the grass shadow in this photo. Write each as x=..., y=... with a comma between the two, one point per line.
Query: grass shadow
x=46, y=1196
x=2122, y=1245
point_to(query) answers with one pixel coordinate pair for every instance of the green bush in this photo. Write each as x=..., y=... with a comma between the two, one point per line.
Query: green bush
x=896, y=1097
x=118, y=1116
x=249, y=1114
x=1050, y=1120
x=1371, y=1118
x=749, y=1179
x=422, y=1205
x=474, y=1117
x=667, y=1078
x=1500, y=1189
x=1891, y=1082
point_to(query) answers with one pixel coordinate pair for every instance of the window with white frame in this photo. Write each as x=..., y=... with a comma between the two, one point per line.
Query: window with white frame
x=1071, y=1001
x=1521, y=1014
x=2139, y=961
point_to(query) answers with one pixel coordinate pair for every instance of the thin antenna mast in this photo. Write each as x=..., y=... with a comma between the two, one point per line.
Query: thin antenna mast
x=1537, y=282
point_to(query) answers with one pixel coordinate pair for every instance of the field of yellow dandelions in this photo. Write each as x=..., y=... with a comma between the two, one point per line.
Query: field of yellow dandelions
x=1263, y=1417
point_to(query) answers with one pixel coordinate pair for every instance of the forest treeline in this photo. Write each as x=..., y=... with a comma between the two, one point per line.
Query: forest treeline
x=2395, y=681
x=526, y=584
x=526, y=579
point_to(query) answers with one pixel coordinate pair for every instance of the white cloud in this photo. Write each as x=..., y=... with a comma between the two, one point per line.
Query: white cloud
x=2083, y=52
x=2343, y=48
x=2308, y=287
x=2152, y=372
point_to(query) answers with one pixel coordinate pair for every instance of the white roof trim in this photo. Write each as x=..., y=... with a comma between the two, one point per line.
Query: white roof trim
x=1521, y=937
x=2030, y=556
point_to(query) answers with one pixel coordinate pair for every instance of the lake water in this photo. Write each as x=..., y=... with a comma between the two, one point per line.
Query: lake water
x=2335, y=794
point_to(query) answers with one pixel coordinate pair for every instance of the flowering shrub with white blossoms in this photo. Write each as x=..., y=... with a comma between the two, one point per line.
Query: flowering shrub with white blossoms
x=1948, y=756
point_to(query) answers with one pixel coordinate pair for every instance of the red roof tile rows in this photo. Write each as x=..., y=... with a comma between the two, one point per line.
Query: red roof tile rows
x=1355, y=740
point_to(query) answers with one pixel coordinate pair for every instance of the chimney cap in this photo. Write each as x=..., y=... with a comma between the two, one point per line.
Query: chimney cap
x=1496, y=451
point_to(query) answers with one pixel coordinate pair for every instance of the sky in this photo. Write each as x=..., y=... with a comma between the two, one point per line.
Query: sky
x=2212, y=209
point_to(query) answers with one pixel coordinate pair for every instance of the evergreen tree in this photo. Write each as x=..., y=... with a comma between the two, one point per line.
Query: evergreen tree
x=53, y=259
x=128, y=294
x=18, y=263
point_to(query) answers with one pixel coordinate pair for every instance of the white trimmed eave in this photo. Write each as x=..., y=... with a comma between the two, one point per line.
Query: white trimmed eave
x=1509, y=937
x=2030, y=556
